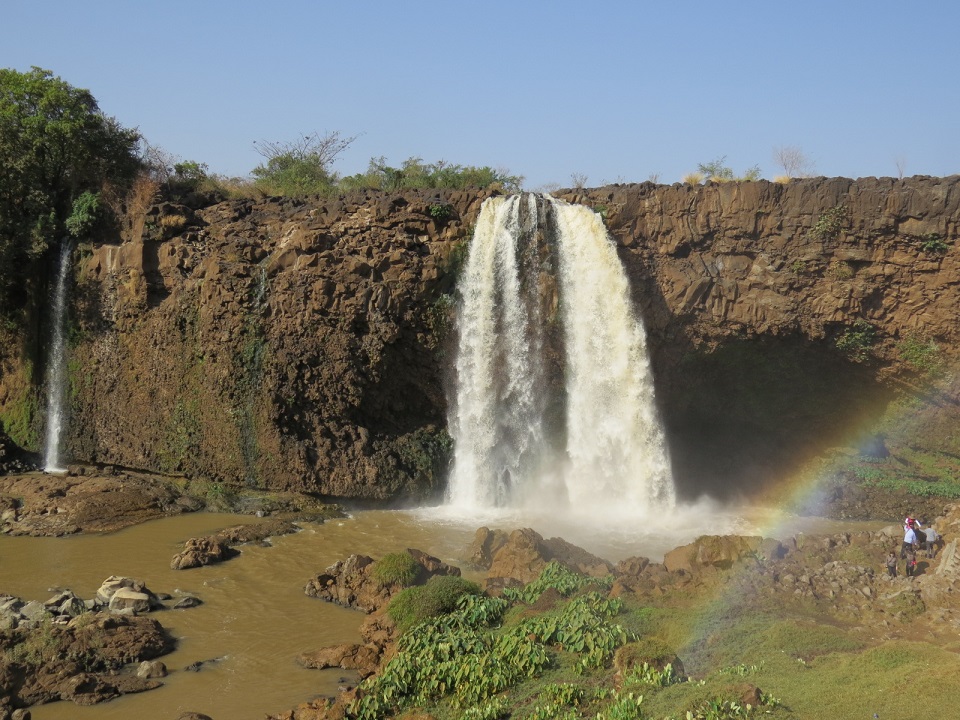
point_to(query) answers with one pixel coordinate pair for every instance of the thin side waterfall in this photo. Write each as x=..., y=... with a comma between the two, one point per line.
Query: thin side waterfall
x=554, y=406
x=57, y=366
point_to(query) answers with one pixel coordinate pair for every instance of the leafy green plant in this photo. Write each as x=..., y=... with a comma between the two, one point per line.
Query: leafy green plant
x=84, y=215
x=645, y=674
x=624, y=707
x=454, y=654
x=555, y=576
x=857, y=340
x=440, y=211
x=798, y=267
x=830, y=223
x=582, y=628
x=492, y=710
x=395, y=569
x=933, y=244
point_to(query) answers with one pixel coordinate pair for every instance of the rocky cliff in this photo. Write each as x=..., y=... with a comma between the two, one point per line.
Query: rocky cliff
x=306, y=345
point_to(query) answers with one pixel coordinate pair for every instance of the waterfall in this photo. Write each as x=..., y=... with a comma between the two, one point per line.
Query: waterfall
x=554, y=398
x=57, y=366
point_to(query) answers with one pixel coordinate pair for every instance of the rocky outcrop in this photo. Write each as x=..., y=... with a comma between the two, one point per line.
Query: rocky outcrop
x=362, y=658
x=303, y=345
x=39, y=504
x=79, y=661
x=201, y=551
x=522, y=554
x=353, y=583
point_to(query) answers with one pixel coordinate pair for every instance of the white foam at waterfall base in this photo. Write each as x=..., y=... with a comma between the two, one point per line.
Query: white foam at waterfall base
x=615, y=463
x=57, y=367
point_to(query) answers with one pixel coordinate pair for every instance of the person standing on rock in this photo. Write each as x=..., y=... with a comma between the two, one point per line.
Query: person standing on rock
x=892, y=564
x=930, y=544
x=911, y=570
x=909, y=541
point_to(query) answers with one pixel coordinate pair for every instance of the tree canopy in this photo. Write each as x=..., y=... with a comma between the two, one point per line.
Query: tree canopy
x=57, y=150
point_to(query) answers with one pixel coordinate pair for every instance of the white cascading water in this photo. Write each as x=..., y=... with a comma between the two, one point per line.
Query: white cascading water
x=611, y=454
x=497, y=428
x=57, y=367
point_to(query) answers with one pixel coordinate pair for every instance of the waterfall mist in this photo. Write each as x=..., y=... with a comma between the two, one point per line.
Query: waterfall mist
x=554, y=400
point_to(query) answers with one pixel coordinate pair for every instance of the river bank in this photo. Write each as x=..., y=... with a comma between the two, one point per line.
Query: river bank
x=239, y=596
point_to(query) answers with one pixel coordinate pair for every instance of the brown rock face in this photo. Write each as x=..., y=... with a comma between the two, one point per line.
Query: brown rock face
x=198, y=552
x=362, y=658
x=525, y=554
x=304, y=345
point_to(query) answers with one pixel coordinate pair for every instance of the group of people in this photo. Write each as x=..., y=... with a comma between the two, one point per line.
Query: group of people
x=915, y=539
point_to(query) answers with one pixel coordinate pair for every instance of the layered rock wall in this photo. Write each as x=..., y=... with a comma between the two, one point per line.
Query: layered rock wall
x=306, y=345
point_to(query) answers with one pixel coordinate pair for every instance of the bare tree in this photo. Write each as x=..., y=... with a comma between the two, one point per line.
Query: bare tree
x=793, y=160
x=901, y=162
x=321, y=150
x=157, y=161
x=579, y=180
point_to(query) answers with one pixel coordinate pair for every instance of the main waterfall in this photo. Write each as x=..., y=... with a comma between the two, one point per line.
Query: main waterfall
x=554, y=402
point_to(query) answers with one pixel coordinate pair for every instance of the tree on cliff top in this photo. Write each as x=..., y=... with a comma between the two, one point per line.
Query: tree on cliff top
x=415, y=173
x=57, y=150
x=300, y=167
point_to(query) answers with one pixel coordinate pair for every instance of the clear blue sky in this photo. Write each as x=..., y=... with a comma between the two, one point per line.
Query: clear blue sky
x=615, y=91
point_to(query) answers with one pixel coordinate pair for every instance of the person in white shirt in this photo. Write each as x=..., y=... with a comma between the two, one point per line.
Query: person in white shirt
x=909, y=541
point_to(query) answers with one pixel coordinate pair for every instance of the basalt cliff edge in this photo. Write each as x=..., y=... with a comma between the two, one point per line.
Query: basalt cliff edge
x=307, y=345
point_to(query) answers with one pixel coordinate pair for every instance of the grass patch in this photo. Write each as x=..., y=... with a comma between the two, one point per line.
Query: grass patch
x=396, y=569
x=899, y=679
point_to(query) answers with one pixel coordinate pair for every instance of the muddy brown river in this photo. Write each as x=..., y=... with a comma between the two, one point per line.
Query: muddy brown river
x=255, y=618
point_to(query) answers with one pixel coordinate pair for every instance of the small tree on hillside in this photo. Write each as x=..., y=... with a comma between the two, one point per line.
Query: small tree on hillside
x=717, y=170
x=793, y=160
x=301, y=166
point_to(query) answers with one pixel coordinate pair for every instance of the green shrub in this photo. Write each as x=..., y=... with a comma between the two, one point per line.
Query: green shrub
x=933, y=244
x=414, y=605
x=857, y=340
x=414, y=173
x=718, y=171
x=440, y=211
x=396, y=569
x=84, y=215
x=829, y=224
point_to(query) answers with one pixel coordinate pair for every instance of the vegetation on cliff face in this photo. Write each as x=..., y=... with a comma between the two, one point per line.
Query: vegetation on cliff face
x=57, y=151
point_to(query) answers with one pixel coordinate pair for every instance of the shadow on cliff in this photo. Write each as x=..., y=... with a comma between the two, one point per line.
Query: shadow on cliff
x=747, y=414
